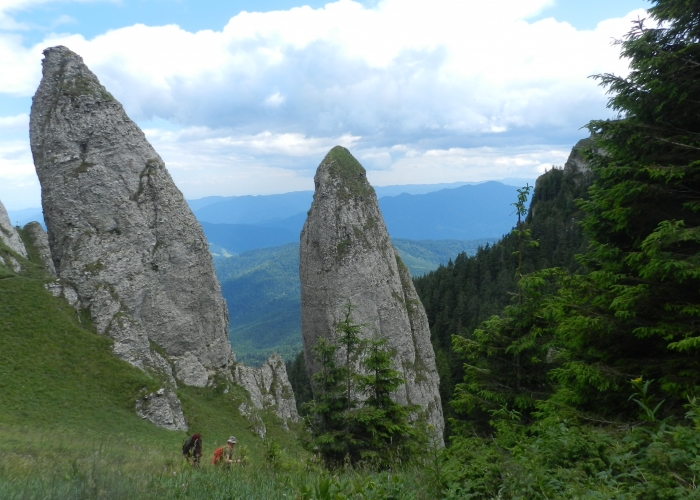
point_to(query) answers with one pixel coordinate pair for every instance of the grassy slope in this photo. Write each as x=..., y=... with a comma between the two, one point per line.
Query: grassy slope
x=66, y=397
x=68, y=429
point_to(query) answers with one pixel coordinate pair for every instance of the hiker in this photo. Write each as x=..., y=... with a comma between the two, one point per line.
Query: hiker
x=192, y=450
x=229, y=454
x=224, y=456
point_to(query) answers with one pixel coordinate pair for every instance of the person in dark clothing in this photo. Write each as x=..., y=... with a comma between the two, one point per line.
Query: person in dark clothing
x=192, y=450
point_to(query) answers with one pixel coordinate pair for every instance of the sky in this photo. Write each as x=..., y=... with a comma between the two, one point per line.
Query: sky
x=246, y=97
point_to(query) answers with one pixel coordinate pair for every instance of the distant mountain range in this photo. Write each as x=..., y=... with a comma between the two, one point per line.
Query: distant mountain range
x=469, y=212
x=288, y=210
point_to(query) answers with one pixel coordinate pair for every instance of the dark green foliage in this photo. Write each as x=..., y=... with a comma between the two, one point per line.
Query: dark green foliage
x=327, y=411
x=371, y=430
x=299, y=379
x=559, y=458
x=349, y=340
x=460, y=296
x=636, y=313
x=381, y=425
x=508, y=359
x=507, y=363
x=615, y=340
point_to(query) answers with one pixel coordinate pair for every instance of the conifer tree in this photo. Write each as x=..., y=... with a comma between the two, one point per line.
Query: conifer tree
x=506, y=366
x=327, y=411
x=372, y=428
x=382, y=427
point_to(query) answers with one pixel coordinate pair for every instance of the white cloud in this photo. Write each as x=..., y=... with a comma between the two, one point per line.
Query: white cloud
x=15, y=123
x=19, y=186
x=473, y=164
x=274, y=100
x=415, y=88
x=207, y=162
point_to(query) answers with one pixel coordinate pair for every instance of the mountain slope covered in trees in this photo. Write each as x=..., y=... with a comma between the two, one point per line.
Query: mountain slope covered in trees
x=573, y=348
x=459, y=296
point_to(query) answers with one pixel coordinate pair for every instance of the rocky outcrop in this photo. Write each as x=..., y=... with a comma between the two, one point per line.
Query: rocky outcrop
x=163, y=409
x=269, y=388
x=346, y=256
x=40, y=240
x=9, y=235
x=124, y=242
x=576, y=163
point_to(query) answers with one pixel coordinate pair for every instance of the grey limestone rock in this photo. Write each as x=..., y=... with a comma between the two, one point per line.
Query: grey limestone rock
x=576, y=163
x=163, y=409
x=346, y=256
x=121, y=235
x=67, y=292
x=269, y=388
x=40, y=240
x=9, y=235
x=191, y=371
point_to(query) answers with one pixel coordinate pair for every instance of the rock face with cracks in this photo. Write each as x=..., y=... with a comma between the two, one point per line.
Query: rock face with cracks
x=124, y=242
x=269, y=388
x=346, y=256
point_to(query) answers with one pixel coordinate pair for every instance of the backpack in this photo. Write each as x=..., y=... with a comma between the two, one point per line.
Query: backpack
x=190, y=446
x=218, y=455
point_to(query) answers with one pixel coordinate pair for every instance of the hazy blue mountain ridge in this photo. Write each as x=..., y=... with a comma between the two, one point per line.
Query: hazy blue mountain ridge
x=468, y=212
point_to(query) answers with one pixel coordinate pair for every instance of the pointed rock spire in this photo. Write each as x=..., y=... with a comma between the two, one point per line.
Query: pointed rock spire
x=346, y=256
x=121, y=234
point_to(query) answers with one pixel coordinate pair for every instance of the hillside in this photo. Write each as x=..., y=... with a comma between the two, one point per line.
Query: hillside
x=65, y=393
x=459, y=296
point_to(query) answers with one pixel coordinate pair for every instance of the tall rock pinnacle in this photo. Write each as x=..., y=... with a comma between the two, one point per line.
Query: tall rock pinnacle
x=346, y=256
x=121, y=234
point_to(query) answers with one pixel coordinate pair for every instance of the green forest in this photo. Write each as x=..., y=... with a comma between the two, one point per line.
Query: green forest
x=568, y=351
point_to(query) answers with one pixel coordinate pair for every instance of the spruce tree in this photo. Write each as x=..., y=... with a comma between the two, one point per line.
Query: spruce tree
x=352, y=416
x=383, y=432
x=327, y=411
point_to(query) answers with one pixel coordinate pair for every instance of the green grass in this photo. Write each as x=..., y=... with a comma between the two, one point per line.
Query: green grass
x=103, y=473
